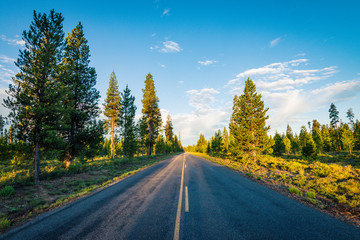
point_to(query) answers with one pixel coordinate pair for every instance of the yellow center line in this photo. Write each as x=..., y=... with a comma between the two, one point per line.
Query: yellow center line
x=186, y=199
x=178, y=214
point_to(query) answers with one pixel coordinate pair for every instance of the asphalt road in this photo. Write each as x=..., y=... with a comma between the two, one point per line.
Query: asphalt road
x=185, y=197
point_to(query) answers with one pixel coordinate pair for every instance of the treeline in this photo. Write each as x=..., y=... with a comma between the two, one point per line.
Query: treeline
x=248, y=133
x=54, y=105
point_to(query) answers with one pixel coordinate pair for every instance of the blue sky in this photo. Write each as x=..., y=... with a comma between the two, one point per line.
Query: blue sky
x=302, y=55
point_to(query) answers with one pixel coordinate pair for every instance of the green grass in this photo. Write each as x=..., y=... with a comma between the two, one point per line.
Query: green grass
x=295, y=191
x=310, y=194
x=4, y=223
x=7, y=191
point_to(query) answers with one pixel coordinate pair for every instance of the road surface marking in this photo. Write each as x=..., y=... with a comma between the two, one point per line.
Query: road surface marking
x=186, y=199
x=178, y=214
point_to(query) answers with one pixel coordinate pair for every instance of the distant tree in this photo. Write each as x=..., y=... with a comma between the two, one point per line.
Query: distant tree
x=279, y=146
x=289, y=133
x=127, y=123
x=334, y=120
x=303, y=136
x=309, y=150
x=169, y=129
x=151, y=112
x=347, y=138
x=201, y=144
x=112, y=109
x=295, y=144
x=216, y=142
x=248, y=122
x=316, y=135
x=334, y=116
x=225, y=141
x=36, y=94
x=350, y=115
x=81, y=98
x=326, y=138
x=287, y=144
x=357, y=135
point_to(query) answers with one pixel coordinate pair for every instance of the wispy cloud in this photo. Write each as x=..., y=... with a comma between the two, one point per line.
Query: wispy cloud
x=207, y=62
x=202, y=100
x=275, y=42
x=12, y=41
x=284, y=75
x=166, y=12
x=289, y=89
x=170, y=46
x=162, y=65
x=5, y=59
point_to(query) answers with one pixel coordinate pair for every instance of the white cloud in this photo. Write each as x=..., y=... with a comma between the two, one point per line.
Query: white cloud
x=275, y=42
x=153, y=48
x=170, y=46
x=283, y=75
x=166, y=12
x=153, y=35
x=207, y=62
x=202, y=100
x=162, y=65
x=289, y=90
x=5, y=59
x=12, y=41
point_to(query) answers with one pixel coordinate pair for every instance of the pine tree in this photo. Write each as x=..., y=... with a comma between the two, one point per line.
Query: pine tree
x=226, y=141
x=151, y=112
x=347, y=138
x=279, y=146
x=169, y=129
x=112, y=109
x=35, y=96
x=201, y=144
x=316, y=135
x=287, y=144
x=81, y=100
x=350, y=115
x=127, y=123
x=334, y=120
x=248, y=122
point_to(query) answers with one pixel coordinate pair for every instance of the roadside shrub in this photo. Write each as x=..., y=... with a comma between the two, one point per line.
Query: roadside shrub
x=75, y=167
x=7, y=191
x=310, y=194
x=295, y=191
x=4, y=223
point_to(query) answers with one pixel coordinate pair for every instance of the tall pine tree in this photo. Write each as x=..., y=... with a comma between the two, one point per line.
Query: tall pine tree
x=151, y=112
x=112, y=109
x=35, y=96
x=248, y=122
x=169, y=129
x=127, y=123
x=81, y=101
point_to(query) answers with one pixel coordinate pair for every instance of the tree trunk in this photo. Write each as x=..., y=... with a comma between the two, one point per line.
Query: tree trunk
x=37, y=163
x=112, y=138
x=149, y=150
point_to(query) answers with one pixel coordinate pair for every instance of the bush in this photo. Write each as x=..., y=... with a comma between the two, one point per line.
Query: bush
x=4, y=223
x=75, y=167
x=7, y=191
x=310, y=194
x=295, y=191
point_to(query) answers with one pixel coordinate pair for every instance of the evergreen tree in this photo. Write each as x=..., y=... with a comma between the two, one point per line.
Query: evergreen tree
x=151, y=112
x=316, y=135
x=303, y=136
x=112, y=109
x=169, y=129
x=248, y=122
x=201, y=144
x=334, y=120
x=289, y=133
x=226, y=141
x=309, y=150
x=81, y=100
x=35, y=96
x=347, y=138
x=357, y=135
x=287, y=144
x=127, y=123
x=279, y=146
x=350, y=115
